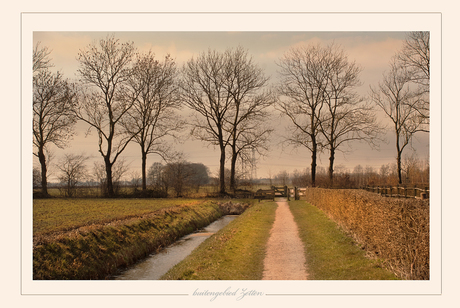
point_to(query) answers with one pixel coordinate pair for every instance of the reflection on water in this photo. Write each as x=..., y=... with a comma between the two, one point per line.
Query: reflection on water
x=158, y=264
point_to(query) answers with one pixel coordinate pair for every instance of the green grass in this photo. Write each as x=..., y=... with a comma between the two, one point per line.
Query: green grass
x=59, y=214
x=330, y=253
x=97, y=252
x=234, y=253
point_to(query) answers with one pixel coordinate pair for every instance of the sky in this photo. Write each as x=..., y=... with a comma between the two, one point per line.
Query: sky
x=371, y=50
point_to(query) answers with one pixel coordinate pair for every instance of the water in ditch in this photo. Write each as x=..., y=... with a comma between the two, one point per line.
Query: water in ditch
x=156, y=265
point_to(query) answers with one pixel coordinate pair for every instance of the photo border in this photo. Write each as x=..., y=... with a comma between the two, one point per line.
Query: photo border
x=114, y=22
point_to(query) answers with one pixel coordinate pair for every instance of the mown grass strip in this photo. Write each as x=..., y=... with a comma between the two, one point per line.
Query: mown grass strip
x=330, y=253
x=236, y=252
x=100, y=251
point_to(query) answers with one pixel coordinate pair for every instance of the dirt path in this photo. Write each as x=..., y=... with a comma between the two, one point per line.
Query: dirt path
x=285, y=259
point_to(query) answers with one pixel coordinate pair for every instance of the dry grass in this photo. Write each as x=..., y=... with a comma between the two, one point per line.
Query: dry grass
x=97, y=251
x=395, y=230
x=65, y=214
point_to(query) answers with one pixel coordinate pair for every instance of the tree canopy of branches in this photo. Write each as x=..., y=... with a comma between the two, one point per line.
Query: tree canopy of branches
x=346, y=116
x=53, y=99
x=180, y=175
x=41, y=59
x=400, y=104
x=317, y=93
x=415, y=58
x=152, y=116
x=203, y=89
x=248, y=113
x=226, y=91
x=73, y=171
x=105, y=67
x=303, y=72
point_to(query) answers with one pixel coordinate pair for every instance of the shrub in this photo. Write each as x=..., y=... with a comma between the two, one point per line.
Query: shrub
x=395, y=230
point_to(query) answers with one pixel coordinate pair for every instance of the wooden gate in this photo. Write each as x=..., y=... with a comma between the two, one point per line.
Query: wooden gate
x=280, y=191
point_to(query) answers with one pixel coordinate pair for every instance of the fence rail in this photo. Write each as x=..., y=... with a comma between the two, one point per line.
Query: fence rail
x=400, y=191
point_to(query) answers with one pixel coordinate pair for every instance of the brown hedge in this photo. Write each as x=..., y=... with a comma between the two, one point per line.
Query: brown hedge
x=394, y=230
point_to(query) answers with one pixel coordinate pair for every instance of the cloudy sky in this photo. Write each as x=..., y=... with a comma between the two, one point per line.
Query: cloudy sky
x=372, y=50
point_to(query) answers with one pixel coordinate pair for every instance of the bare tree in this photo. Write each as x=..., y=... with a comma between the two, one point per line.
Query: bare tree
x=73, y=171
x=105, y=68
x=282, y=178
x=53, y=123
x=179, y=174
x=346, y=116
x=199, y=176
x=246, y=82
x=152, y=116
x=203, y=90
x=415, y=58
x=41, y=59
x=397, y=100
x=304, y=78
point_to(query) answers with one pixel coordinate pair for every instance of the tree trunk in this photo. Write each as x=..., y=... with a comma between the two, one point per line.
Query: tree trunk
x=42, y=159
x=144, y=173
x=399, y=167
x=108, y=170
x=331, y=166
x=233, y=170
x=222, y=171
x=398, y=159
x=313, y=162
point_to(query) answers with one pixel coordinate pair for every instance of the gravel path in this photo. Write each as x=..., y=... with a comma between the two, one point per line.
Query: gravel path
x=284, y=259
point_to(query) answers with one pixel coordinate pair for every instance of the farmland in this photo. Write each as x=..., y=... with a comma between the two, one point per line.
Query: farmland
x=51, y=215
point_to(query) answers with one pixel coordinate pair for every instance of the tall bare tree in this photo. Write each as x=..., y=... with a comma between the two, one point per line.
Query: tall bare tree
x=346, y=116
x=105, y=67
x=304, y=79
x=203, y=89
x=152, y=116
x=53, y=123
x=415, y=58
x=248, y=113
x=399, y=102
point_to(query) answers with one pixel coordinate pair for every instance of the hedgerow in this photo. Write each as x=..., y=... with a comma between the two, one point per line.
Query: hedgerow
x=395, y=230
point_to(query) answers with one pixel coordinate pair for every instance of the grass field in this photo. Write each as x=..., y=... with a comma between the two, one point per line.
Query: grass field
x=56, y=214
x=331, y=254
x=236, y=252
x=99, y=250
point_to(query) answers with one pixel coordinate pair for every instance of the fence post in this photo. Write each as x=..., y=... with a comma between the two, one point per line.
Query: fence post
x=286, y=193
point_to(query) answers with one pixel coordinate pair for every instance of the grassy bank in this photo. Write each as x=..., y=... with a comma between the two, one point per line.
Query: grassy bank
x=61, y=214
x=95, y=251
x=330, y=253
x=396, y=230
x=234, y=253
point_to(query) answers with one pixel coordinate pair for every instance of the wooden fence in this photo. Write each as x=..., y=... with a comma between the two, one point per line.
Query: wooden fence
x=400, y=191
x=297, y=193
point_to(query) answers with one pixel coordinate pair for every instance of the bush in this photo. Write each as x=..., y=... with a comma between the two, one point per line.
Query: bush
x=395, y=230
